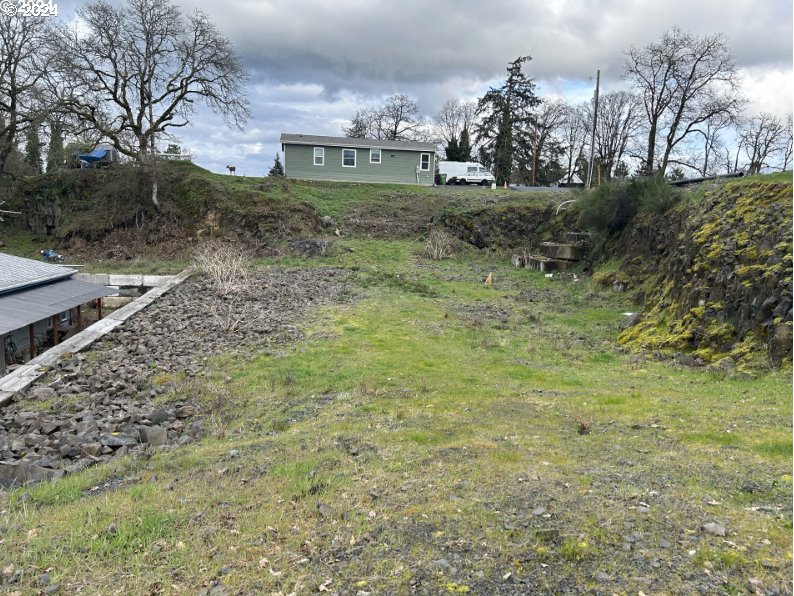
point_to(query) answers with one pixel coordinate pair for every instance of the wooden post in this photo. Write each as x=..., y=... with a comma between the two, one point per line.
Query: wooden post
x=79, y=319
x=32, y=340
x=3, y=369
x=98, y=309
x=56, y=336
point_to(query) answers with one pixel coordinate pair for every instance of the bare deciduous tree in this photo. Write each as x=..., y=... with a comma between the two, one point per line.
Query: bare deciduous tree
x=453, y=118
x=705, y=150
x=573, y=135
x=136, y=70
x=548, y=121
x=760, y=137
x=788, y=145
x=24, y=60
x=619, y=120
x=364, y=125
x=398, y=119
x=684, y=80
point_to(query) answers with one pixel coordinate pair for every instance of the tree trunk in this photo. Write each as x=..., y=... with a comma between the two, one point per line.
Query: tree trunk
x=155, y=200
x=651, y=149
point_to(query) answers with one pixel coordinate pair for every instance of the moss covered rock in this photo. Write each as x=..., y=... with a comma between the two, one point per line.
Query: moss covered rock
x=715, y=275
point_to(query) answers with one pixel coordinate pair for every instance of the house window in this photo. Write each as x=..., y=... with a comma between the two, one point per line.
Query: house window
x=424, y=163
x=374, y=156
x=349, y=158
x=319, y=156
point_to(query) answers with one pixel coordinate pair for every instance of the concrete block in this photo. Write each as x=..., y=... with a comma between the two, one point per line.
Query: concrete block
x=554, y=250
x=101, y=279
x=125, y=280
x=116, y=301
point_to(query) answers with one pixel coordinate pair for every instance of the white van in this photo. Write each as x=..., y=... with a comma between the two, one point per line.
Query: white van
x=465, y=172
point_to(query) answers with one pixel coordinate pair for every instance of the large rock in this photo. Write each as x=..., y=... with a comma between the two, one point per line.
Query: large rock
x=43, y=393
x=117, y=440
x=22, y=473
x=153, y=435
x=780, y=343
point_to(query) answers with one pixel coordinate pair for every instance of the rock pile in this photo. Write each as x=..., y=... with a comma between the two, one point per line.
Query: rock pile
x=98, y=405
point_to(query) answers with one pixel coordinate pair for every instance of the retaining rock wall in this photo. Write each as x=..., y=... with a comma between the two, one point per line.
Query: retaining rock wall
x=715, y=276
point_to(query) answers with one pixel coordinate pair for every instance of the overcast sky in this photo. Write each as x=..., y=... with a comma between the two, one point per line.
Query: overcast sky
x=314, y=63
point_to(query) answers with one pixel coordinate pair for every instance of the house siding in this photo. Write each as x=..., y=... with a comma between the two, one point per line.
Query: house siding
x=21, y=337
x=397, y=166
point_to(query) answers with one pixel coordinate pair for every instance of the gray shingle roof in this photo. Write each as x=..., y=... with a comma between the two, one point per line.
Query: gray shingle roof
x=18, y=272
x=298, y=139
x=27, y=306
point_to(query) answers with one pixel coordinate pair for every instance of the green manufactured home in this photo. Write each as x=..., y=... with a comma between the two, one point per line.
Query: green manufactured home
x=312, y=157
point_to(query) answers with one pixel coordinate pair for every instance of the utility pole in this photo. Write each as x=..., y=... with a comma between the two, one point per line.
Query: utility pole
x=592, y=138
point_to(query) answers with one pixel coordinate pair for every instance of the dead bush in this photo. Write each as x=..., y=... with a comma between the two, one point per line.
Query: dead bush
x=440, y=245
x=227, y=265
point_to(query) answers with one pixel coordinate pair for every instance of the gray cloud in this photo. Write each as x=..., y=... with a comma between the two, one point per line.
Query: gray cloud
x=313, y=63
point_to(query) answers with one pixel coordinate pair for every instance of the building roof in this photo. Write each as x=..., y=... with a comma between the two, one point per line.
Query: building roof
x=26, y=306
x=298, y=139
x=17, y=273
x=574, y=180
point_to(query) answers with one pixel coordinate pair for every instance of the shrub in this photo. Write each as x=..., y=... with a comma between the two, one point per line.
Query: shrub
x=228, y=266
x=607, y=208
x=655, y=194
x=440, y=245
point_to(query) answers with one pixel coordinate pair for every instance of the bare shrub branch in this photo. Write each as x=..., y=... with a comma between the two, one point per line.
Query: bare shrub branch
x=440, y=245
x=227, y=266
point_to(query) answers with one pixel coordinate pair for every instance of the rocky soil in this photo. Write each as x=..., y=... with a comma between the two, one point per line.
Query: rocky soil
x=107, y=403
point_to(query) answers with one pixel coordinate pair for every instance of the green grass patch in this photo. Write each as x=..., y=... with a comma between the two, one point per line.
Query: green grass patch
x=409, y=428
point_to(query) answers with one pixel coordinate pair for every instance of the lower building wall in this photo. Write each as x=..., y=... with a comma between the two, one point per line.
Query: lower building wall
x=19, y=339
x=396, y=167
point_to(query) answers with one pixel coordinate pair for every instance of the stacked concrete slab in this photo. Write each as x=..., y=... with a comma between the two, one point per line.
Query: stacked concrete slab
x=556, y=256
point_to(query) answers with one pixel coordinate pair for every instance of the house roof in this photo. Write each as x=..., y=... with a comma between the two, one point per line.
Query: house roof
x=574, y=180
x=27, y=306
x=299, y=139
x=17, y=273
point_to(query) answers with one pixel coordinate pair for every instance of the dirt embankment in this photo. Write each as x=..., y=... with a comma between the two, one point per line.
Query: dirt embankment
x=509, y=226
x=109, y=213
x=715, y=276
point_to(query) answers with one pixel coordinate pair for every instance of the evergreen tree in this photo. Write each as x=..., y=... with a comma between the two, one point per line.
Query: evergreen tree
x=506, y=115
x=464, y=147
x=277, y=169
x=452, y=150
x=33, y=149
x=55, y=151
x=503, y=148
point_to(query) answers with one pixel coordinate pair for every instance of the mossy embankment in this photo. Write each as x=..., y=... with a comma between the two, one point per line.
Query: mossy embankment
x=714, y=274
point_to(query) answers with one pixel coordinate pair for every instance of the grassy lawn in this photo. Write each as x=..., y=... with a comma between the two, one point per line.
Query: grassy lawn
x=440, y=436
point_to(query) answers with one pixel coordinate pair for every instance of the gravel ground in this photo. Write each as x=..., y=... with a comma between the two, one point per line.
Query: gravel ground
x=98, y=405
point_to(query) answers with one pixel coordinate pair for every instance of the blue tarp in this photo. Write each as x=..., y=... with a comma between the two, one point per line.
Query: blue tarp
x=95, y=155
